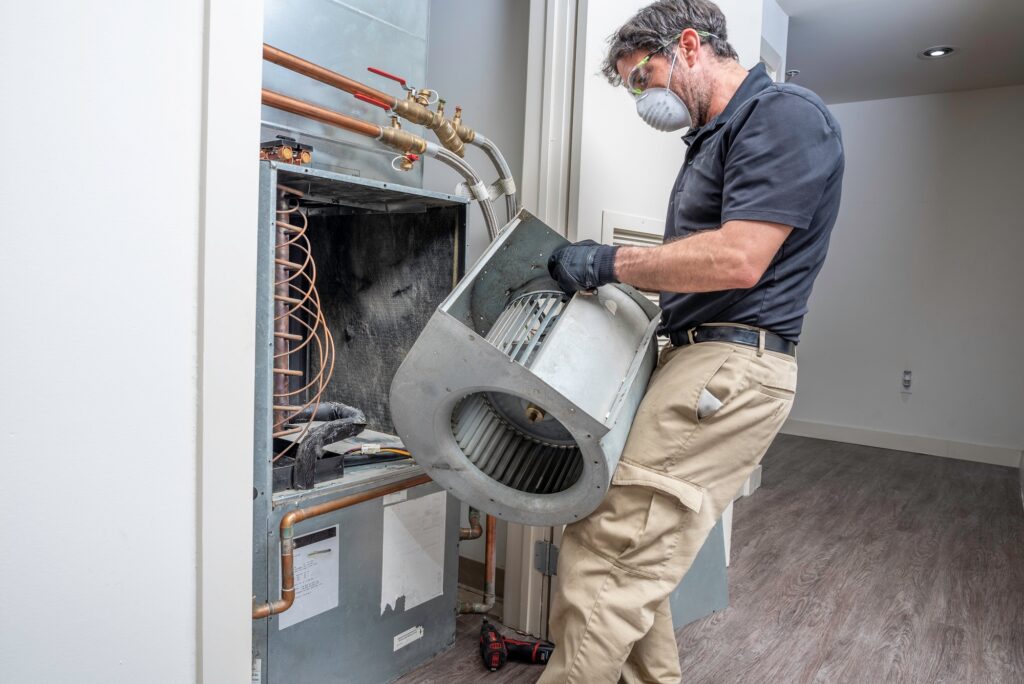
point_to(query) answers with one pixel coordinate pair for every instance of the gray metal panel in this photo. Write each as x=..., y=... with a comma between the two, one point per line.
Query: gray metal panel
x=346, y=37
x=705, y=588
x=354, y=642
x=331, y=188
x=264, y=362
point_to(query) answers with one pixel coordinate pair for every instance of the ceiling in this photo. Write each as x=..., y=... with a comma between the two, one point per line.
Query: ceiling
x=848, y=50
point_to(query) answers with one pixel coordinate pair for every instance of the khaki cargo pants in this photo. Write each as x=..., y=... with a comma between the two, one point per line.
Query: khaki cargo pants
x=610, y=619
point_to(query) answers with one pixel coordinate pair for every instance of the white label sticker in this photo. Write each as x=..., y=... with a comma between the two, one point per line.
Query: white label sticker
x=257, y=670
x=413, y=565
x=407, y=637
x=396, y=497
x=317, y=559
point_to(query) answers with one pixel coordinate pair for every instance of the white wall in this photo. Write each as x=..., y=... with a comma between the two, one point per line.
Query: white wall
x=484, y=71
x=924, y=272
x=99, y=427
x=775, y=36
x=621, y=164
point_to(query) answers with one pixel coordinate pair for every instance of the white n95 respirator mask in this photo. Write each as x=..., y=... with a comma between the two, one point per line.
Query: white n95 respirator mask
x=662, y=109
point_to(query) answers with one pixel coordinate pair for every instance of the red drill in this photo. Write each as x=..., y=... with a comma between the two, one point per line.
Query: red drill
x=496, y=649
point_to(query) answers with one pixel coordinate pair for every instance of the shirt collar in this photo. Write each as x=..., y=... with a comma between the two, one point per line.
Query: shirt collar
x=757, y=80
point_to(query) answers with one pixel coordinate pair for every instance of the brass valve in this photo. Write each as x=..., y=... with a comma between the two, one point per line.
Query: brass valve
x=405, y=162
x=464, y=134
x=402, y=141
x=422, y=96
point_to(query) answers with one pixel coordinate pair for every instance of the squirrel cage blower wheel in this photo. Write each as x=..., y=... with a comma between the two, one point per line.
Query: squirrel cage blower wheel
x=517, y=398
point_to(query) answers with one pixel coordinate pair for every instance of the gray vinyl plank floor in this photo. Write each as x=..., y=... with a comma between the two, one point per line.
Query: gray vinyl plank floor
x=850, y=564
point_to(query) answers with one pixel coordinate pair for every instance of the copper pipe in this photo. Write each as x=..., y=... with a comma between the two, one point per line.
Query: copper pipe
x=474, y=530
x=490, y=572
x=281, y=343
x=403, y=141
x=407, y=108
x=287, y=536
x=324, y=75
x=311, y=111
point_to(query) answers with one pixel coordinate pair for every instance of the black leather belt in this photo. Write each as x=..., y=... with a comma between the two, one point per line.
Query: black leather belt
x=728, y=333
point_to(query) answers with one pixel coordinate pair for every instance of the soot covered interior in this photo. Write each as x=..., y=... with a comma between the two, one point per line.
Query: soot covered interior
x=380, y=277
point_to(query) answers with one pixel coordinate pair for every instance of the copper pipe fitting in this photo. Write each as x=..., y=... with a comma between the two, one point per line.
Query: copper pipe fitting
x=411, y=110
x=287, y=528
x=474, y=530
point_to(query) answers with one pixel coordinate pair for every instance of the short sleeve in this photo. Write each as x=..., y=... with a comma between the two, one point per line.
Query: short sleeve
x=778, y=162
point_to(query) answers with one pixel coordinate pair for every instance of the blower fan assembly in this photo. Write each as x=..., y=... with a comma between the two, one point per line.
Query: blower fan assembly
x=517, y=398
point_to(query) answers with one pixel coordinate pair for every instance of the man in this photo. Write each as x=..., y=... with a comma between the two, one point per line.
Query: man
x=747, y=229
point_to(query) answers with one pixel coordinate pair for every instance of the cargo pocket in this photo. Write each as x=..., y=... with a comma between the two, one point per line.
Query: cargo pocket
x=686, y=493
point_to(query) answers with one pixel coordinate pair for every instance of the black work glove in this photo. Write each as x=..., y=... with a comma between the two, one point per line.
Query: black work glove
x=584, y=265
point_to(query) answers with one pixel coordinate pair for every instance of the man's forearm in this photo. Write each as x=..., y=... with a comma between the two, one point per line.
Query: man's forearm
x=732, y=257
x=699, y=263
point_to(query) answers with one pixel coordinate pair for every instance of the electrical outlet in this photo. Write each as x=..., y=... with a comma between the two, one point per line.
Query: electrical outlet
x=908, y=378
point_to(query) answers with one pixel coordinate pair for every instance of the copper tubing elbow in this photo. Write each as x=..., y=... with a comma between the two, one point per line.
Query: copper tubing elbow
x=475, y=530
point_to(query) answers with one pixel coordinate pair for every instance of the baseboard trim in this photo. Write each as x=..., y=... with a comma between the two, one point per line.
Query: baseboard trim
x=979, y=453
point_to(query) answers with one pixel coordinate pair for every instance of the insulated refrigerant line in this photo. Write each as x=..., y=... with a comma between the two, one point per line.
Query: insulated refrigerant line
x=477, y=189
x=506, y=184
x=403, y=141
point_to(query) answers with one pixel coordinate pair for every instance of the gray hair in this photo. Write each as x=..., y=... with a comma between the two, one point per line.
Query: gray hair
x=659, y=22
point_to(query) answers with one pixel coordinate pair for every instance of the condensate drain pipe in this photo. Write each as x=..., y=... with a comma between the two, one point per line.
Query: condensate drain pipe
x=490, y=572
x=403, y=141
x=474, y=530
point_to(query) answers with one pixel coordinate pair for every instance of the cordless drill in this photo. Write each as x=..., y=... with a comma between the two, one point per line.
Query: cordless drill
x=496, y=649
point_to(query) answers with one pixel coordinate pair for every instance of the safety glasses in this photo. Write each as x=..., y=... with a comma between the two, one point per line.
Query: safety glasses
x=636, y=80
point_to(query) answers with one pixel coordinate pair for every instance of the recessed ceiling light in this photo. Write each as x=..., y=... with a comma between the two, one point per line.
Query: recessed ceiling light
x=937, y=51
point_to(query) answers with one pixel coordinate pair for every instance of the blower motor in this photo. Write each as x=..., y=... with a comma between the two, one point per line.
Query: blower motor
x=517, y=398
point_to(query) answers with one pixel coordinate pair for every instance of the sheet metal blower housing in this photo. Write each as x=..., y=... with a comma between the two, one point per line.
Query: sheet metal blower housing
x=518, y=399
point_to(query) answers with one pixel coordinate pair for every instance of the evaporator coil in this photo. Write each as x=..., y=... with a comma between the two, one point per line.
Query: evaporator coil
x=517, y=398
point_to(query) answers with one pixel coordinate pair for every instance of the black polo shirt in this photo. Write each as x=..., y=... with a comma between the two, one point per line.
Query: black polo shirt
x=774, y=154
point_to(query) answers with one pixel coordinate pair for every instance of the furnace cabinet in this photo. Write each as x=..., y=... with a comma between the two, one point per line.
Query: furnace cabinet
x=375, y=582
